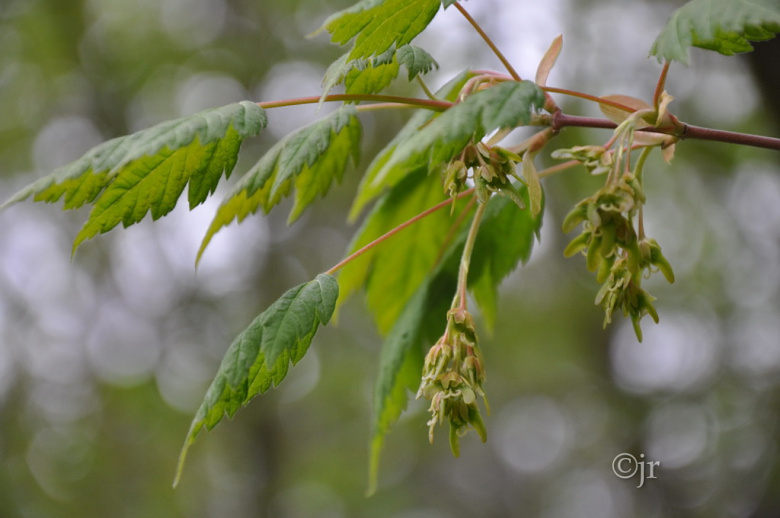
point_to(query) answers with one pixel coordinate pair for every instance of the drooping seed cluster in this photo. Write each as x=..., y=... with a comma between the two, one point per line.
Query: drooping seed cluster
x=453, y=377
x=614, y=249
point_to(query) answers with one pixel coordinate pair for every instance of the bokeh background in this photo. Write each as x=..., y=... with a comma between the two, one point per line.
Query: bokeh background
x=104, y=359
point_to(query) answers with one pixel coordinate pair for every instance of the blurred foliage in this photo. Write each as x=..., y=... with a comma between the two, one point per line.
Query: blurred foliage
x=103, y=360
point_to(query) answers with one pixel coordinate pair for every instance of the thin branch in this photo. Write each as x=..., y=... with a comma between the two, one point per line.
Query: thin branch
x=688, y=131
x=383, y=106
x=394, y=231
x=465, y=260
x=561, y=120
x=425, y=88
x=489, y=42
x=408, y=101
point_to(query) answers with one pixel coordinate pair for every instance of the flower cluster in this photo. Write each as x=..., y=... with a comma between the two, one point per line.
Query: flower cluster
x=615, y=251
x=492, y=169
x=452, y=379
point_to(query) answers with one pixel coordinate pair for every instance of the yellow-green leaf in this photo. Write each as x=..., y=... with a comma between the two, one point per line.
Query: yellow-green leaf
x=127, y=177
x=392, y=271
x=310, y=159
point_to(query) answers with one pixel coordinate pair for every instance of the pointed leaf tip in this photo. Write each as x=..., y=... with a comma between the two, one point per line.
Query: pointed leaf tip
x=548, y=60
x=128, y=177
x=260, y=356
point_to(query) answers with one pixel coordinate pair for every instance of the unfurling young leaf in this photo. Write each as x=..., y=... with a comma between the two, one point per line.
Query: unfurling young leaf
x=373, y=78
x=147, y=171
x=548, y=61
x=310, y=159
x=725, y=26
x=364, y=75
x=416, y=60
x=261, y=355
x=372, y=75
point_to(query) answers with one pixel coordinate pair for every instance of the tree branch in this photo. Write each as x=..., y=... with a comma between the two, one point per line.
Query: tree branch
x=561, y=120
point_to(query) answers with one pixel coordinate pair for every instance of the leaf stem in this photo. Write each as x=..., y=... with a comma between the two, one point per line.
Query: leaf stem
x=395, y=99
x=394, y=231
x=489, y=42
x=425, y=88
x=465, y=260
x=588, y=97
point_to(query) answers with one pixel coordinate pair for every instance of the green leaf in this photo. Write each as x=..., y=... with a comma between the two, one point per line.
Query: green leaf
x=310, y=159
x=261, y=355
x=147, y=171
x=377, y=25
x=506, y=105
x=506, y=238
x=392, y=271
x=421, y=322
x=416, y=60
x=726, y=26
x=371, y=185
x=399, y=370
